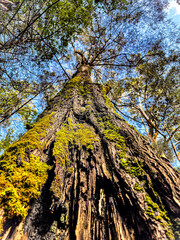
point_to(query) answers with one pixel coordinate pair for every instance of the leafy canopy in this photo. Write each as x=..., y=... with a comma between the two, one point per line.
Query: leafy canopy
x=118, y=39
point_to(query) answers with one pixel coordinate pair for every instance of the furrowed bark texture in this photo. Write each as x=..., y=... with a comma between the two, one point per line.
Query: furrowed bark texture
x=109, y=186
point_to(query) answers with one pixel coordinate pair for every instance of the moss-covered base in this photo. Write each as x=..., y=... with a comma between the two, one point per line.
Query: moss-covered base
x=23, y=174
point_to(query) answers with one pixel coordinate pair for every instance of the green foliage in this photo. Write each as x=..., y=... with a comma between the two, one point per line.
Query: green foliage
x=60, y=22
x=156, y=89
x=50, y=24
x=7, y=140
x=22, y=174
x=152, y=98
x=13, y=96
x=158, y=82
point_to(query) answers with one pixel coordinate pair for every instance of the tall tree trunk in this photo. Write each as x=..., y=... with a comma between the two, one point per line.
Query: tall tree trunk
x=106, y=182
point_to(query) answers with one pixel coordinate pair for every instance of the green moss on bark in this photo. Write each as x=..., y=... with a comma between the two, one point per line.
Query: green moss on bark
x=137, y=187
x=78, y=135
x=22, y=174
x=107, y=100
x=112, y=133
x=83, y=86
x=134, y=167
x=74, y=135
x=159, y=214
x=176, y=228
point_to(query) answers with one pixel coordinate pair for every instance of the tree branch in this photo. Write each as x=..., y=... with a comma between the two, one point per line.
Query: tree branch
x=84, y=60
x=117, y=108
x=173, y=132
x=19, y=36
x=174, y=149
x=15, y=14
x=15, y=111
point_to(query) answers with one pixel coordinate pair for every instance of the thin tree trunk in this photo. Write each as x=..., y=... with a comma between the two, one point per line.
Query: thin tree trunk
x=109, y=184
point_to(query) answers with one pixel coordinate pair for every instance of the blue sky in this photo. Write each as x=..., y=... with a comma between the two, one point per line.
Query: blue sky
x=174, y=11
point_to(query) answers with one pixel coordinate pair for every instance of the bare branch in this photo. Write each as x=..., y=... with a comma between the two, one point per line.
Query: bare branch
x=115, y=65
x=15, y=14
x=173, y=132
x=49, y=45
x=84, y=60
x=15, y=111
x=117, y=108
x=62, y=68
x=177, y=143
x=173, y=146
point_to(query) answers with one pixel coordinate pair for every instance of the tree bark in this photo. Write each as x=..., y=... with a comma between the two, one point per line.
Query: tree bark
x=111, y=186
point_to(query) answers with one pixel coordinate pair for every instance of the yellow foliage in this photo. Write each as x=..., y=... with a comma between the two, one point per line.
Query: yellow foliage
x=21, y=173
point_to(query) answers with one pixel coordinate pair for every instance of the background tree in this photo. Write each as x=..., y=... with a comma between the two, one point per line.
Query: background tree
x=152, y=98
